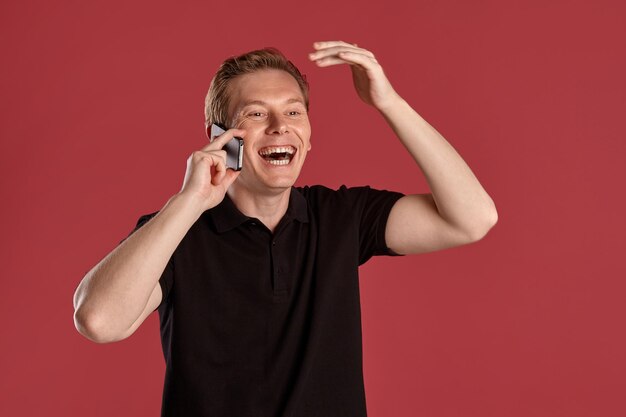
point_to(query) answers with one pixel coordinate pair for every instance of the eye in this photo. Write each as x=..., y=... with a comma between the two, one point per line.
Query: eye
x=255, y=115
x=295, y=112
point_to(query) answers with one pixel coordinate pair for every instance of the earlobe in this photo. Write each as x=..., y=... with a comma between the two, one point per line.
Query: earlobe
x=207, y=130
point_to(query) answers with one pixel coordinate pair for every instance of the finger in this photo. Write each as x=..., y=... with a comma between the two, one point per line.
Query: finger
x=219, y=153
x=211, y=156
x=229, y=177
x=346, y=47
x=334, y=60
x=220, y=170
x=325, y=52
x=366, y=63
x=328, y=44
x=219, y=141
x=357, y=59
x=329, y=61
x=218, y=161
x=336, y=47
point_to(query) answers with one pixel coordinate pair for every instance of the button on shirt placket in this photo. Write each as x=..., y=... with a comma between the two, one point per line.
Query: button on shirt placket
x=278, y=258
x=280, y=283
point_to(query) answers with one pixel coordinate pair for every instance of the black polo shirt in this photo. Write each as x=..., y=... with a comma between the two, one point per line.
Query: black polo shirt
x=255, y=323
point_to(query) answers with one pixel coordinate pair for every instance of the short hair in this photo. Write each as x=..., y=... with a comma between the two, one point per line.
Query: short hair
x=217, y=99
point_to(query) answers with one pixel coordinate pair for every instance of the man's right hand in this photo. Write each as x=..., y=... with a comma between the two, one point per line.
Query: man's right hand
x=207, y=177
x=117, y=294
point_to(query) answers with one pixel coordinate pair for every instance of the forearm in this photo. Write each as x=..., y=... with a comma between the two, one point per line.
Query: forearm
x=459, y=197
x=111, y=296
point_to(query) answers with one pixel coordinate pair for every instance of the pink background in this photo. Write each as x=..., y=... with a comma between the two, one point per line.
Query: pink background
x=102, y=103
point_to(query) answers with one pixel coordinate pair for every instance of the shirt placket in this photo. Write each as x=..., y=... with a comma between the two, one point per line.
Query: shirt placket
x=279, y=275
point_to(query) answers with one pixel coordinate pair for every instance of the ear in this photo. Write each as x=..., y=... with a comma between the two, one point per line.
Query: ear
x=207, y=130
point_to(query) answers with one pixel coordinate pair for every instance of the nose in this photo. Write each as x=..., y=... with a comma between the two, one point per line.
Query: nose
x=277, y=125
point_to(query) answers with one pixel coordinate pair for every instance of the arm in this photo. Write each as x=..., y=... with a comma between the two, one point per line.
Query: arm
x=116, y=296
x=459, y=210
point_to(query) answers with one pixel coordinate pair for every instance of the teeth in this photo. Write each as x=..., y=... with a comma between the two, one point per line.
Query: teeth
x=279, y=162
x=277, y=149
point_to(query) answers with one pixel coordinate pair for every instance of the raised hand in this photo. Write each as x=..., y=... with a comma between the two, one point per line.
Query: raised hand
x=370, y=81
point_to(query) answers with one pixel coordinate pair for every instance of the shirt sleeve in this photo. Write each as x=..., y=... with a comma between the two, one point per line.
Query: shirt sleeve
x=166, y=281
x=374, y=207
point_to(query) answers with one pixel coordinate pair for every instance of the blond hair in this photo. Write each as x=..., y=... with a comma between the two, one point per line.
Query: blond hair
x=217, y=99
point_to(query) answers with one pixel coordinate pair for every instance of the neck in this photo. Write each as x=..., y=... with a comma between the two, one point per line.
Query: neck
x=268, y=208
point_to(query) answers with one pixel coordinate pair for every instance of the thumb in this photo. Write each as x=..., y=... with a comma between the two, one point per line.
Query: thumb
x=229, y=177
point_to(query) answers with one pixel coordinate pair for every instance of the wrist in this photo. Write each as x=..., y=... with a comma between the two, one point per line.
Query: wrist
x=190, y=203
x=391, y=104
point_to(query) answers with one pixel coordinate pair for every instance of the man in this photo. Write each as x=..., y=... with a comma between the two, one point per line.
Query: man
x=256, y=281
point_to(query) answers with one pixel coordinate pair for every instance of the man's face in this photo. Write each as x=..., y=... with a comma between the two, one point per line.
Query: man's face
x=269, y=106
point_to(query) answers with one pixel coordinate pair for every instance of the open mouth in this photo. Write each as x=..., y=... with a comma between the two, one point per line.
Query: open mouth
x=278, y=155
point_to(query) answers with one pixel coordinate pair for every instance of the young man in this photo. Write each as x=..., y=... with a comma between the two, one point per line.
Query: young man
x=256, y=281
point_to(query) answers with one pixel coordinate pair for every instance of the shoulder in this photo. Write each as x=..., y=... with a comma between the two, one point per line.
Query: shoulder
x=326, y=202
x=144, y=218
x=345, y=193
x=323, y=192
x=348, y=200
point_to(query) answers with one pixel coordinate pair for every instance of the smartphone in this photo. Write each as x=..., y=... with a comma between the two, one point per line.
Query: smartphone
x=234, y=148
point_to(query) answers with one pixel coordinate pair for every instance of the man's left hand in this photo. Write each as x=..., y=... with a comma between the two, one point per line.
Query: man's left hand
x=369, y=79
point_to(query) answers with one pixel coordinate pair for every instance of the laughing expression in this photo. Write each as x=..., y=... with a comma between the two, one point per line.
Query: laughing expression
x=269, y=106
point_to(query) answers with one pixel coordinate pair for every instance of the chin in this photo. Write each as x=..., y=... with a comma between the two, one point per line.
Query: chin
x=280, y=185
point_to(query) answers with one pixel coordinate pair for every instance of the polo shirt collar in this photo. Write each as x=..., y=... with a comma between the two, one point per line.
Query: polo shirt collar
x=226, y=215
x=298, y=208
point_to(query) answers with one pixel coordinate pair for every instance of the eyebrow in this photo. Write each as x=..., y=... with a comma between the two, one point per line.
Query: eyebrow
x=261, y=102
